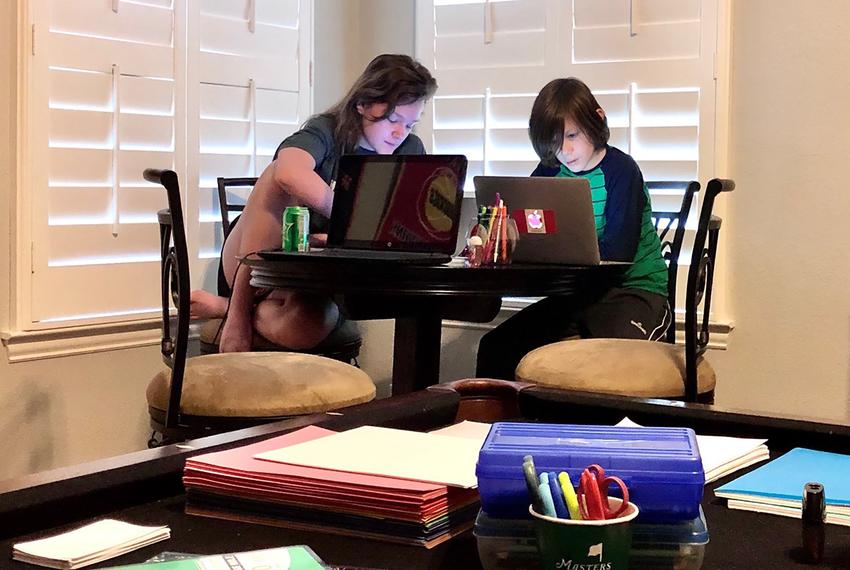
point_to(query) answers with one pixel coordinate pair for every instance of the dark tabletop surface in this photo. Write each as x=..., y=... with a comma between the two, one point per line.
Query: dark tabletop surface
x=351, y=277
x=49, y=503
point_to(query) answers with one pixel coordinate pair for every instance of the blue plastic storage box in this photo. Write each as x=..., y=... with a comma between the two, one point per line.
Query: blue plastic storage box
x=661, y=466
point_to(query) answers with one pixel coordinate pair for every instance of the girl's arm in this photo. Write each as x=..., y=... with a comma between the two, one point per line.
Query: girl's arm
x=294, y=174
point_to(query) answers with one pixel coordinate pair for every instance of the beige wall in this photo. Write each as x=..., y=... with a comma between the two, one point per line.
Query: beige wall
x=348, y=34
x=784, y=229
x=786, y=226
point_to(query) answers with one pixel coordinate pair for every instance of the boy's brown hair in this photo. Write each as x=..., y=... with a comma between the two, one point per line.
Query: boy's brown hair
x=559, y=100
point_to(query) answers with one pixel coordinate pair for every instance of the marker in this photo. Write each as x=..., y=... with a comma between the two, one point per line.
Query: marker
x=546, y=495
x=569, y=495
x=558, y=497
x=532, y=483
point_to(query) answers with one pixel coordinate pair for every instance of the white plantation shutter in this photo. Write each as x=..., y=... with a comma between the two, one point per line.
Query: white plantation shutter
x=650, y=64
x=252, y=92
x=653, y=68
x=206, y=87
x=489, y=58
x=104, y=109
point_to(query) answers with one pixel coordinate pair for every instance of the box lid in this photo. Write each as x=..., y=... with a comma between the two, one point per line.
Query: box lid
x=667, y=453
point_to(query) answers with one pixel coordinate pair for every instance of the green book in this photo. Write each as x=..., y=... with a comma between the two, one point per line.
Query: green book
x=298, y=557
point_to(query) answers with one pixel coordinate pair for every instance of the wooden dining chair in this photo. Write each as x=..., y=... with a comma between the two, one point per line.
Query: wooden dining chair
x=213, y=393
x=343, y=343
x=671, y=228
x=226, y=205
x=645, y=368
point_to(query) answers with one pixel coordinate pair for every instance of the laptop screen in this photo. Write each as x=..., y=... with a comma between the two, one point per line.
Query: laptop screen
x=403, y=203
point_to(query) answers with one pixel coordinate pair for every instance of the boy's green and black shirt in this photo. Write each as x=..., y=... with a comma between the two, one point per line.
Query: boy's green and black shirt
x=623, y=213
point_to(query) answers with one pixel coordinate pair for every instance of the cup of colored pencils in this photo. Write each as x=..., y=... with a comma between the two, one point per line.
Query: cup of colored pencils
x=496, y=234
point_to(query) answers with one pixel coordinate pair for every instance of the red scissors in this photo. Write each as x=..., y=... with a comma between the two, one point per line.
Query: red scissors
x=593, y=494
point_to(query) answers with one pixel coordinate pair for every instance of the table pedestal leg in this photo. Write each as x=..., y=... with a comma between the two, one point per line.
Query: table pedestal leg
x=416, y=354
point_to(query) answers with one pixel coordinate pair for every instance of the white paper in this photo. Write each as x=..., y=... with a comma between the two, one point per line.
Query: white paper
x=782, y=510
x=91, y=543
x=466, y=428
x=428, y=457
x=722, y=455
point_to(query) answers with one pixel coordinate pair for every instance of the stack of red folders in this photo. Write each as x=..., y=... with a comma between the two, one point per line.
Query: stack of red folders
x=235, y=485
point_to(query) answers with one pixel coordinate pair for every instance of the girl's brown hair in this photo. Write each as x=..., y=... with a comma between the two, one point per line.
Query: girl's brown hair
x=393, y=79
x=559, y=100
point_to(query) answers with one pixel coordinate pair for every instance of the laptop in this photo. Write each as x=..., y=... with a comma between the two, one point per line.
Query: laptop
x=403, y=208
x=554, y=217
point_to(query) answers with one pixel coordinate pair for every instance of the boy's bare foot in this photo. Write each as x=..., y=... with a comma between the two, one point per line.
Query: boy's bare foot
x=205, y=305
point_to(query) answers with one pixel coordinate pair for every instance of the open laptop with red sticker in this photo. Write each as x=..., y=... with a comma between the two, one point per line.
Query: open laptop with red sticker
x=403, y=208
x=554, y=217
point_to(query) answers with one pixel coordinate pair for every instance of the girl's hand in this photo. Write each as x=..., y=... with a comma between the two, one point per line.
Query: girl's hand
x=318, y=240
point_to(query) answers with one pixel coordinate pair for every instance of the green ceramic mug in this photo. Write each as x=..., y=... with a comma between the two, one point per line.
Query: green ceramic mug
x=567, y=544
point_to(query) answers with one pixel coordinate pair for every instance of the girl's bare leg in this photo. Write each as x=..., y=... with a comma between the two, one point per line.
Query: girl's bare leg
x=294, y=319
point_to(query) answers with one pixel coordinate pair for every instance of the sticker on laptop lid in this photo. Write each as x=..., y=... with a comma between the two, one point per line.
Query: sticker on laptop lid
x=535, y=221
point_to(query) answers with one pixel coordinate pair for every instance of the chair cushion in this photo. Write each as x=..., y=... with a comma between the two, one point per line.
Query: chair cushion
x=263, y=384
x=614, y=366
x=346, y=334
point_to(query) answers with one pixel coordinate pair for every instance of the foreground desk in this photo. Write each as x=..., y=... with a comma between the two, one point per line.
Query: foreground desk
x=145, y=487
x=420, y=297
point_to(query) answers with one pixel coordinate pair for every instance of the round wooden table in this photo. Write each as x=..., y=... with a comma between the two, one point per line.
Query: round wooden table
x=419, y=297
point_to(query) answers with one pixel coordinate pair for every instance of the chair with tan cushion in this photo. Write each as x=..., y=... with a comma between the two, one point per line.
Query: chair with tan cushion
x=220, y=392
x=645, y=368
x=261, y=385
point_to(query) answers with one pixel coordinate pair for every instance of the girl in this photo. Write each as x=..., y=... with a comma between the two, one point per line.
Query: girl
x=569, y=132
x=375, y=117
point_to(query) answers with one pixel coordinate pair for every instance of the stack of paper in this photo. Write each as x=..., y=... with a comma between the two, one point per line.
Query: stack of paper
x=347, y=483
x=723, y=455
x=87, y=545
x=777, y=487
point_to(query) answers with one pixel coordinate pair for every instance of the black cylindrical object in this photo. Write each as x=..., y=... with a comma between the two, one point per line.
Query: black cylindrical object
x=814, y=521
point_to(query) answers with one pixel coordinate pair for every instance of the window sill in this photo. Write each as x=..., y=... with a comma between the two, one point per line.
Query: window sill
x=25, y=346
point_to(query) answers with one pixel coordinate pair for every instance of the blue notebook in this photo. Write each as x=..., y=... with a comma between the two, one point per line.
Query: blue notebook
x=781, y=481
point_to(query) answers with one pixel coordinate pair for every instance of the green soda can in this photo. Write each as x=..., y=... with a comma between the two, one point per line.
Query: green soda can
x=296, y=229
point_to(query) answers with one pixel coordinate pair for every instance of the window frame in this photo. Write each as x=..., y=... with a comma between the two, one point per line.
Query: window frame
x=24, y=337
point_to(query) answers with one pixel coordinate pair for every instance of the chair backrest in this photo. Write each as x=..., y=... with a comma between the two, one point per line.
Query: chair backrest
x=175, y=287
x=700, y=279
x=671, y=243
x=225, y=206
